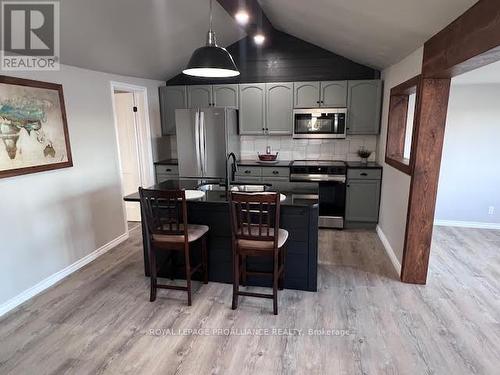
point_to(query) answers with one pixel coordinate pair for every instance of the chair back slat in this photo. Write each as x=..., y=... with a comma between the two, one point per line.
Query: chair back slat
x=164, y=212
x=255, y=216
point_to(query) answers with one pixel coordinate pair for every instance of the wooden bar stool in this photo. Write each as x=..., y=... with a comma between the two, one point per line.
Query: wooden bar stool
x=165, y=213
x=254, y=217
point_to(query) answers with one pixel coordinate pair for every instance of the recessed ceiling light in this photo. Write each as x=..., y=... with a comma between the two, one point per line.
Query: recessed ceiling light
x=259, y=39
x=242, y=17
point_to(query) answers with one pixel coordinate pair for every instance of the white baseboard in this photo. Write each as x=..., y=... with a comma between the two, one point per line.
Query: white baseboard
x=466, y=224
x=389, y=250
x=51, y=280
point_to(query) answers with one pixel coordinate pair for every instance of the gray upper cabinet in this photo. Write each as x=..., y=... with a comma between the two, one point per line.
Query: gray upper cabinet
x=199, y=96
x=252, y=108
x=364, y=101
x=279, y=108
x=320, y=94
x=171, y=98
x=225, y=95
x=362, y=201
x=306, y=94
x=334, y=94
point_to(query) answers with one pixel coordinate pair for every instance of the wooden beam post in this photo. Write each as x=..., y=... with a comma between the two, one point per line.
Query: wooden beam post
x=428, y=143
x=468, y=43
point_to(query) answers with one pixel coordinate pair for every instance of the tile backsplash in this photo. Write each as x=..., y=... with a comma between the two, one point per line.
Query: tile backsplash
x=302, y=149
x=309, y=149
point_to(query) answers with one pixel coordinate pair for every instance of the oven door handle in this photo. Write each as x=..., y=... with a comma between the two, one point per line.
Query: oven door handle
x=316, y=178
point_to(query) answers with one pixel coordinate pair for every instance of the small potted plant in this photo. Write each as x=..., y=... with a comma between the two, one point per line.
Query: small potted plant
x=364, y=154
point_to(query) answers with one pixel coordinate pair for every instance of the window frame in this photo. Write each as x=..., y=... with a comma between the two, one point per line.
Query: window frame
x=397, y=124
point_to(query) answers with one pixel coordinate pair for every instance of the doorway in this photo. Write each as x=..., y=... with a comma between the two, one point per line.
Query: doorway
x=467, y=222
x=134, y=149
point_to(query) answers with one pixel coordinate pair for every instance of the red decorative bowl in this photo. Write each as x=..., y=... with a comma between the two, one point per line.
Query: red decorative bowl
x=268, y=157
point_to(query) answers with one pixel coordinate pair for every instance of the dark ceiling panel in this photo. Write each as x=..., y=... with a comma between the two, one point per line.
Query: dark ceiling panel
x=286, y=59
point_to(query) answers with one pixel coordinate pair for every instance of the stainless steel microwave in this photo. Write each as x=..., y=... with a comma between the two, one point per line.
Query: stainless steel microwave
x=320, y=123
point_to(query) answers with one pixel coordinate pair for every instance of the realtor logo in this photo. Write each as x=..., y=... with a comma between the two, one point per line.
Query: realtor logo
x=30, y=35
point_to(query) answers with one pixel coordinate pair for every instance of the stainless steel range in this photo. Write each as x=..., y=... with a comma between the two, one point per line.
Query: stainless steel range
x=331, y=178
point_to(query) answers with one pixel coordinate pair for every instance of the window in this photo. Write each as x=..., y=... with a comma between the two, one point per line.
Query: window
x=402, y=124
x=409, y=126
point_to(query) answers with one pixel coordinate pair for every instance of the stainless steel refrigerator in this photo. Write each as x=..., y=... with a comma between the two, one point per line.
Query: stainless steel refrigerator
x=204, y=139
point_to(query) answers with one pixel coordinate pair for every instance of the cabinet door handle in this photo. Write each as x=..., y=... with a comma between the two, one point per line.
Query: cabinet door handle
x=248, y=172
x=364, y=174
x=348, y=185
x=276, y=172
x=169, y=170
x=318, y=102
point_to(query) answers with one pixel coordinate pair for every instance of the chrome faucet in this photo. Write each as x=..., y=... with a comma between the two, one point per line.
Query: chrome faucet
x=234, y=169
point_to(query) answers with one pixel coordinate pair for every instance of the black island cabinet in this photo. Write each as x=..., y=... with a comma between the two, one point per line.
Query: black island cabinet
x=299, y=216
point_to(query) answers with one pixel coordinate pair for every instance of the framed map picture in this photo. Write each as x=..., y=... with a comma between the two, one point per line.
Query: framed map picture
x=33, y=127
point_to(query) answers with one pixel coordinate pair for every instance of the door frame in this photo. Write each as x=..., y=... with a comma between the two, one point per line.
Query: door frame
x=143, y=138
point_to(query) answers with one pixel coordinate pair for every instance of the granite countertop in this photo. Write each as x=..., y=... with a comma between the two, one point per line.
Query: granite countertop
x=167, y=162
x=257, y=163
x=279, y=163
x=293, y=197
x=358, y=164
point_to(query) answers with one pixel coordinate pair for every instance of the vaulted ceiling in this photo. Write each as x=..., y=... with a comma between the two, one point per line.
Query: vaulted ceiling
x=155, y=38
x=377, y=33
x=141, y=38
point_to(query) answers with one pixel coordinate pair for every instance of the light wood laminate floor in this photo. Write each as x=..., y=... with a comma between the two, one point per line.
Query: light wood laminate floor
x=99, y=320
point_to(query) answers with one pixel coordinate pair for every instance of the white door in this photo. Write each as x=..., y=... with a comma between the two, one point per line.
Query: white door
x=129, y=153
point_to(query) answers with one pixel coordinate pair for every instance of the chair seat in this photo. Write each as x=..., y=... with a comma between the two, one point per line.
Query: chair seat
x=263, y=245
x=195, y=232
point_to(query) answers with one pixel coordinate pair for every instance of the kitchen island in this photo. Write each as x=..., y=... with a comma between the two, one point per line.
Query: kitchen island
x=298, y=215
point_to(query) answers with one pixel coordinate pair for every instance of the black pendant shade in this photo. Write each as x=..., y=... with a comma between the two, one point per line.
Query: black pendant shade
x=211, y=60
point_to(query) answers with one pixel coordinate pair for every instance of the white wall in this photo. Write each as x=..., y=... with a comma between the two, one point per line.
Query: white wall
x=50, y=220
x=395, y=184
x=469, y=181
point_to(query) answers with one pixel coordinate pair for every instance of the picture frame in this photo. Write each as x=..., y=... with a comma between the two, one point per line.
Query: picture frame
x=34, y=133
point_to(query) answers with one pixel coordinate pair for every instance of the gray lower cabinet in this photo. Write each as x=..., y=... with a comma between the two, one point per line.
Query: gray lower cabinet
x=200, y=96
x=363, y=199
x=333, y=94
x=364, y=100
x=306, y=94
x=279, y=108
x=252, y=108
x=166, y=172
x=225, y=95
x=279, y=177
x=248, y=174
x=171, y=98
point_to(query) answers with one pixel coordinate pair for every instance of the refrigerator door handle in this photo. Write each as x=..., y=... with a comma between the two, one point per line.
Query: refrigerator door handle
x=203, y=143
x=197, y=140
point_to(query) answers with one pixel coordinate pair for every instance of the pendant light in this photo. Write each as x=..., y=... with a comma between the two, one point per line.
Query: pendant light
x=211, y=60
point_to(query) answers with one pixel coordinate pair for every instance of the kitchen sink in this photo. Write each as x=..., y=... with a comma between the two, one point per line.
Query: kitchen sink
x=212, y=187
x=249, y=188
x=236, y=187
